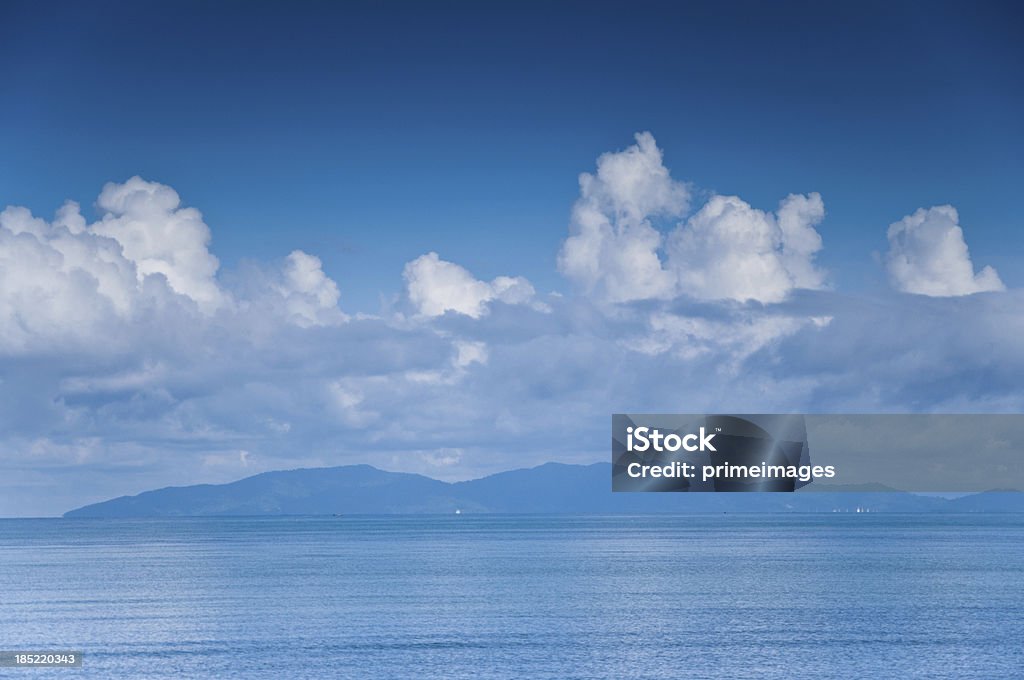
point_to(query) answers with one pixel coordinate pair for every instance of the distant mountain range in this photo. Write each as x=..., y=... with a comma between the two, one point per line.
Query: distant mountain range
x=550, y=488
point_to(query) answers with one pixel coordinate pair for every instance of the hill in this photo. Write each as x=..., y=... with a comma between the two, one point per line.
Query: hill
x=549, y=488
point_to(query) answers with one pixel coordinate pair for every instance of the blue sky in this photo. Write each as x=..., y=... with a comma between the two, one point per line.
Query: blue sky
x=372, y=132
x=451, y=238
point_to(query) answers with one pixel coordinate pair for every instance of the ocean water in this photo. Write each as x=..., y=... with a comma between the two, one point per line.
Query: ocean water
x=724, y=596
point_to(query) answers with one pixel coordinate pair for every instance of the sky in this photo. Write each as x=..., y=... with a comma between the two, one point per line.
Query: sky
x=453, y=238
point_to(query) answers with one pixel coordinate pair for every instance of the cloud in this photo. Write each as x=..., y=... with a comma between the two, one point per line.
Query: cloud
x=731, y=251
x=726, y=251
x=58, y=284
x=142, y=266
x=69, y=281
x=928, y=256
x=799, y=241
x=158, y=236
x=114, y=378
x=732, y=338
x=436, y=286
x=469, y=352
x=311, y=298
x=612, y=250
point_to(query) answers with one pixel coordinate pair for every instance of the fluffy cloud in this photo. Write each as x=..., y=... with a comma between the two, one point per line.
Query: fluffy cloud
x=158, y=236
x=612, y=251
x=726, y=251
x=311, y=297
x=928, y=256
x=731, y=251
x=69, y=280
x=58, y=284
x=145, y=261
x=436, y=286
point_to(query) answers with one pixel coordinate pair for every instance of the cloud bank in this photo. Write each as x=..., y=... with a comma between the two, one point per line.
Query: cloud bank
x=129, y=360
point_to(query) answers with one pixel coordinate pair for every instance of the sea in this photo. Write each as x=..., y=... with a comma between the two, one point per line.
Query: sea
x=519, y=596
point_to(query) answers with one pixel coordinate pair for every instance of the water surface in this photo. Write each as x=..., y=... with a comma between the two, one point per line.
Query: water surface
x=722, y=596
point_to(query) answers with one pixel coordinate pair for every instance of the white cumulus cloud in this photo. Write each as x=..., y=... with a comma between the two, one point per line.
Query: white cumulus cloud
x=729, y=250
x=726, y=251
x=310, y=296
x=56, y=283
x=436, y=286
x=612, y=250
x=928, y=256
x=144, y=264
x=160, y=237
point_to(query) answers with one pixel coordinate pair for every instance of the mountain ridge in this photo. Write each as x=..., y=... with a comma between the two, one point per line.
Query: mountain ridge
x=547, y=488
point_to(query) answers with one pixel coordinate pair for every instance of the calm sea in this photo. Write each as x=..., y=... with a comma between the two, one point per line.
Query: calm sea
x=728, y=596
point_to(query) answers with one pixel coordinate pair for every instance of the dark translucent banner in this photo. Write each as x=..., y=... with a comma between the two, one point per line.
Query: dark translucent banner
x=785, y=452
